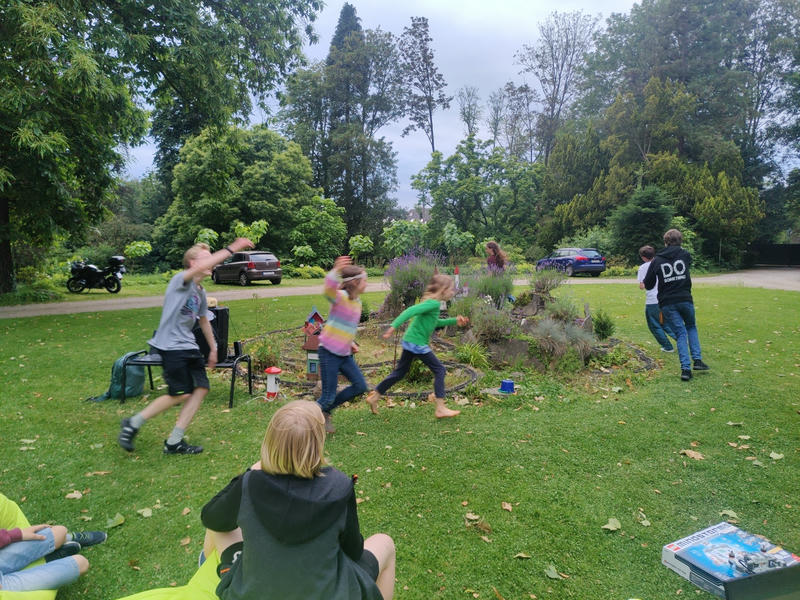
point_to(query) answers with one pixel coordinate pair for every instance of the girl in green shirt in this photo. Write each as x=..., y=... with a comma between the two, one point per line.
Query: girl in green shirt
x=425, y=318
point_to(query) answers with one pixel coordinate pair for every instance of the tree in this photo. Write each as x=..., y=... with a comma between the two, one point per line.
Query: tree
x=235, y=176
x=469, y=109
x=403, y=236
x=360, y=245
x=555, y=60
x=459, y=244
x=70, y=74
x=640, y=221
x=424, y=84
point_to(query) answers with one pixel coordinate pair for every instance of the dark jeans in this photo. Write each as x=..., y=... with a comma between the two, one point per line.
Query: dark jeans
x=680, y=317
x=404, y=364
x=659, y=331
x=330, y=365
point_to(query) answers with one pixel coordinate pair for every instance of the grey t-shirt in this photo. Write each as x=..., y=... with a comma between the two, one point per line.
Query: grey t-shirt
x=184, y=302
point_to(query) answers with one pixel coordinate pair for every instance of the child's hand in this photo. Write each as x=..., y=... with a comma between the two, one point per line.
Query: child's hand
x=29, y=533
x=388, y=333
x=462, y=321
x=342, y=262
x=354, y=348
x=241, y=244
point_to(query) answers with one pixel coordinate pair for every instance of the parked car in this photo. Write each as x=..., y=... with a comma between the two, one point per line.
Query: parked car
x=573, y=261
x=244, y=267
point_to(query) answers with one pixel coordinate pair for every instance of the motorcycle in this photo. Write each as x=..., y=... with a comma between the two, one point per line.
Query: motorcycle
x=87, y=276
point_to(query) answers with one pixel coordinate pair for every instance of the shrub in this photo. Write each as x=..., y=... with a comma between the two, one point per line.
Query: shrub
x=419, y=373
x=551, y=338
x=463, y=305
x=579, y=340
x=266, y=352
x=490, y=324
x=495, y=285
x=39, y=291
x=544, y=282
x=364, y=311
x=570, y=362
x=603, y=325
x=473, y=354
x=408, y=275
x=304, y=271
x=562, y=309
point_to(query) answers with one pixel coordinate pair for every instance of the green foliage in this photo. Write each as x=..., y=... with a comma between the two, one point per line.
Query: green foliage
x=403, y=236
x=457, y=243
x=253, y=232
x=643, y=220
x=419, y=373
x=266, y=352
x=303, y=253
x=207, y=236
x=138, y=249
x=472, y=354
x=304, y=271
x=603, y=324
x=493, y=284
x=463, y=304
x=360, y=245
x=597, y=237
x=544, y=282
x=490, y=324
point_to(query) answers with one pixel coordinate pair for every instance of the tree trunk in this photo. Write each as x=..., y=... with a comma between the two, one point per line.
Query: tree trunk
x=8, y=282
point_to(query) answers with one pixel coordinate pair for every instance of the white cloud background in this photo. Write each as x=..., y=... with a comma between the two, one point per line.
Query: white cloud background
x=474, y=43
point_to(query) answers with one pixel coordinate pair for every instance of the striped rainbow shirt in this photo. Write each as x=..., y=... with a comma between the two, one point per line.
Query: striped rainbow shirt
x=340, y=329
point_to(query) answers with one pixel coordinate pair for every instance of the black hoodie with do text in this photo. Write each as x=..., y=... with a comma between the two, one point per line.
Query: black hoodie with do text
x=670, y=269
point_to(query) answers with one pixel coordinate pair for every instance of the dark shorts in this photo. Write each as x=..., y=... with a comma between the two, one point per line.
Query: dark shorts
x=184, y=370
x=369, y=563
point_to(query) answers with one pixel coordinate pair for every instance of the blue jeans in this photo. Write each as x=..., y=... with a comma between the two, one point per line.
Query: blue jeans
x=14, y=577
x=330, y=365
x=659, y=331
x=680, y=317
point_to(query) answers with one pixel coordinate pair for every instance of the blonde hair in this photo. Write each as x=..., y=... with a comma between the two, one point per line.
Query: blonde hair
x=351, y=271
x=438, y=286
x=294, y=441
x=193, y=252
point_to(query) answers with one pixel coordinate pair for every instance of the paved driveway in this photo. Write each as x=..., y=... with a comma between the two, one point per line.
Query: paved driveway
x=770, y=278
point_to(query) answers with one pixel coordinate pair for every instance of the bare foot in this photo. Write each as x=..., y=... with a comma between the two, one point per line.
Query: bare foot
x=442, y=412
x=372, y=399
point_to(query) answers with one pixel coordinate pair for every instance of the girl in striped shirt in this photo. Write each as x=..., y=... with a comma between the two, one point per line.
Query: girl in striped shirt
x=343, y=286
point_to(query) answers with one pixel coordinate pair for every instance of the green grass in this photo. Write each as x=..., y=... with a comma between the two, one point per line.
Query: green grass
x=566, y=455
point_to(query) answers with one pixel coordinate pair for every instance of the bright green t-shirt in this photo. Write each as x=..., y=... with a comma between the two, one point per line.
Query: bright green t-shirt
x=425, y=319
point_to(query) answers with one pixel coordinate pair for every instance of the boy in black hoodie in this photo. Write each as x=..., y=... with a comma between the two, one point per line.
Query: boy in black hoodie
x=670, y=270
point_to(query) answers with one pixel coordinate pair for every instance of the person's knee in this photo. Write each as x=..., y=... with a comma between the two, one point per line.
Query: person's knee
x=59, y=535
x=382, y=546
x=83, y=564
x=360, y=387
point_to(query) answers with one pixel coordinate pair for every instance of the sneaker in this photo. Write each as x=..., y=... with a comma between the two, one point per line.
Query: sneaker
x=699, y=365
x=181, y=448
x=66, y=549
x=668, y=349
x=88, y=538
x=126, y=434
x=329, y=428
x=686, y=374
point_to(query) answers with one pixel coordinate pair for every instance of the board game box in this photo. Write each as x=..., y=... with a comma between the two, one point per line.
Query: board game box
x=717, y=558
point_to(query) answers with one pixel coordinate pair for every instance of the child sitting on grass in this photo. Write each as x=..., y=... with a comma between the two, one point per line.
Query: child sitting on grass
x=19, y=547
x=416, y=343
x=288, y=527
x=343, y=286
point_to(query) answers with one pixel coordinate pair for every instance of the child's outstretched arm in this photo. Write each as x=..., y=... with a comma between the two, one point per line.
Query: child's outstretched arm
x=462, y=321
x=388, y=333
x=334, y=278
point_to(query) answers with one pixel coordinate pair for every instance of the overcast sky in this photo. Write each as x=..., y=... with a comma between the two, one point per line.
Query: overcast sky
x=474, y=43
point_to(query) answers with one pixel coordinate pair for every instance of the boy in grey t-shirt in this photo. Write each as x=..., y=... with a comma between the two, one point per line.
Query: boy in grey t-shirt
x=183, y=364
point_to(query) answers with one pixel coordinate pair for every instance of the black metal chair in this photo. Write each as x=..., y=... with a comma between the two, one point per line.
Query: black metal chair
x=151, y=358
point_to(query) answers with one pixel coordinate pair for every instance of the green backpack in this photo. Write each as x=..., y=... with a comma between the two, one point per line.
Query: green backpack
x=134, y=381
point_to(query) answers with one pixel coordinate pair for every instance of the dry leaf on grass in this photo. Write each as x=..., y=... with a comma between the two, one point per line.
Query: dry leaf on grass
x=145, y=512
x=186, y=541
x=115, y=521
x=186, y=511
x=612, y=525
x=74, y=495
x=553, y=573
x=507, y=506
x=693, y=454
x=775, y=456
x=522, y=555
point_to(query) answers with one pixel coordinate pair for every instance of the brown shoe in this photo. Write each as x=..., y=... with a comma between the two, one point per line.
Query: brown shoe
x=329, y=428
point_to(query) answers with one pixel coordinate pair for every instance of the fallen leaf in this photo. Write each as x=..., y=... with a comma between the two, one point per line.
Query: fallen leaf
x=729, y=514
x=522, y=555
x=507, y=506
x=758, y=463
x=497, y=594
x=552, y=572
x=92, y=473
x=744, y=437
x=775, y=456
x=145, y=512
x=732, y=424
x=186, y=511
x=612, y=525
x=486, y=539
x=471, y=517
x=115, y=521
x=186, y=541
x=693, y=454
x=85, y=518
x=360, y=433
x=75, y=495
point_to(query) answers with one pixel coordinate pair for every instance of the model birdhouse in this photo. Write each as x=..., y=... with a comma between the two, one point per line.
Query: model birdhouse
x=311, y=330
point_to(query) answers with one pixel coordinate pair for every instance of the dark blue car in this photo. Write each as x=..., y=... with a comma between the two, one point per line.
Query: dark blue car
x=573, y=261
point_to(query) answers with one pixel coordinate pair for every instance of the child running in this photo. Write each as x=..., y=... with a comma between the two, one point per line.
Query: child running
x=416, y=343
x=343, y=286
x=288, y=526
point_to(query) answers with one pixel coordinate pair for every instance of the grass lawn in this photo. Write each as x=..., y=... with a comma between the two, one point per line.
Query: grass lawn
x=564, y=455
